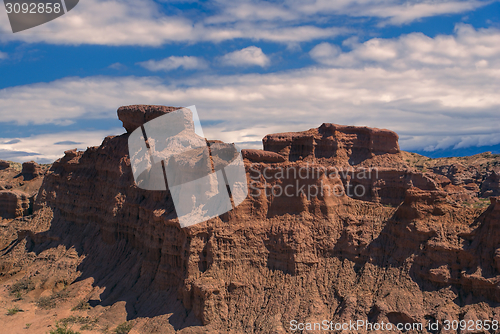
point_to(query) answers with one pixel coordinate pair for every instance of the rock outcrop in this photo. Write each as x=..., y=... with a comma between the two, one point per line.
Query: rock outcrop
x=299, y=247
x=135, y=115
x=14, y=203
x=31, y=170
x=491, y=184
x=347, y=145
x=4, y=164
x=262, y=156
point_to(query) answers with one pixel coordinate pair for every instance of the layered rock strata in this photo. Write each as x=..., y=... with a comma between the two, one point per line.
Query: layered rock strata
x=348, y=145
x=4, y=164
x=276, y=258
x=14, y=203
x=31, y=170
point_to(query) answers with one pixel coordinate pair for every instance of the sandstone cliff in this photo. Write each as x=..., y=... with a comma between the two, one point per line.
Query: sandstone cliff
x=408, y=250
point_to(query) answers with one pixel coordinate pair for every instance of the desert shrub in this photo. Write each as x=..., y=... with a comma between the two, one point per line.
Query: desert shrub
x=13, y=310
x=50, y=301
x=46, y=302
x=18, y=295
x=82, y=305
x=63, y=330
x=482, y=203
x=87, y=323
x=23, y=285
x=123, y=328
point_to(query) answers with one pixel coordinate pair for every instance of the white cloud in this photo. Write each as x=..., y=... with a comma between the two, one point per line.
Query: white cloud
x=233, y=11
x=118, y=66
x=47, y=148
x=464, y=142
x=324, y=52
x=107, y=22
x=467, y=48
x=3, y=55
x=147, y=23
x=249, y=56
x=63, y=101
x=399, y=14
x=430, y=106
x=173, y=62
x=141, y=22
x=391, y=11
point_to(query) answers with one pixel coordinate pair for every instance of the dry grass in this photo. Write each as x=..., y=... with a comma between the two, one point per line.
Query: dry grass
x=51, y=301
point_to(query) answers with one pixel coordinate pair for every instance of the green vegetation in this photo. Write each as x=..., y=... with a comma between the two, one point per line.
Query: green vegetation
x=18, y=295
x=14, y=310
x=82, y=305
x=62, y=330
x=16, y=166
x=24, y=285
x=50, y=302
x=483, y=203
x=124, y=328
x=87, y=323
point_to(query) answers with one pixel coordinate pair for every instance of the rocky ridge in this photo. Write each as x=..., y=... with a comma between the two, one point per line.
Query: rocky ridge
x=413, y=248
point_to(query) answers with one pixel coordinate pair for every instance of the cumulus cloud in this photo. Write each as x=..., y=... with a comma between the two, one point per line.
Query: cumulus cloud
x=64, y=101
x=390, y=11
x=467, y=48
x=107, y=22
x=430, y=106
x=173, y=62
x=250, y=56
x=147, y=23
x=117, y=66
x=142, y=22
x=47, y=148
x=397, y=13
x=325, y=52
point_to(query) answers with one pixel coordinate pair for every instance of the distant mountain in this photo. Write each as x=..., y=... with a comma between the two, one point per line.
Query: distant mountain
x=460, y=152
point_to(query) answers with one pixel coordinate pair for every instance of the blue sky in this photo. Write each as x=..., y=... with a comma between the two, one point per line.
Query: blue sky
x=429, y=70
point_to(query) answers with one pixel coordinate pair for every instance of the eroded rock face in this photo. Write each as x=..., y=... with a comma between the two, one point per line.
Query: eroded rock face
x=262, y=156
x=31, y=170
x=4, y=164
x=13, y=203
x=277, y=258
x=491, y=184
x=347, y=144
x=136, y=115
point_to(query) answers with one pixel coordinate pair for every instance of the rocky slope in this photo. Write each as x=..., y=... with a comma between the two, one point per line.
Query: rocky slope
x=18, y=188
x=416, y=246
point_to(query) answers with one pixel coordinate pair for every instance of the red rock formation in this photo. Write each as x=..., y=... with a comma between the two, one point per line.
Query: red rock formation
x=276, y=258
x=348, y=144
x=4, y=164
x=31, y=170
x=134, y=116
x=261, y=156
x=13, y=203
x=491, y=184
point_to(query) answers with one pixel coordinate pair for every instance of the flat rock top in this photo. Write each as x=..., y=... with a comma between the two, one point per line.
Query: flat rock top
x=262, y=156
x=328, y=129
x=134, y=116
